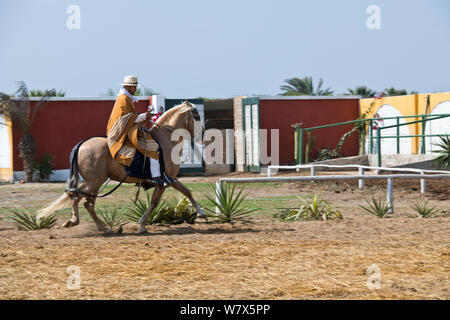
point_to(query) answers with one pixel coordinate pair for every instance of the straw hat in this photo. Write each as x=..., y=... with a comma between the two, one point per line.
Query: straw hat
x=130, y=81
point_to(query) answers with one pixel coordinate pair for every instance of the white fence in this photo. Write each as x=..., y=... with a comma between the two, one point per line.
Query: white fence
x=422, y=175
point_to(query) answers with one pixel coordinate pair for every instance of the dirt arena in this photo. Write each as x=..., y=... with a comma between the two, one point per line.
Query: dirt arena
x=256, y=259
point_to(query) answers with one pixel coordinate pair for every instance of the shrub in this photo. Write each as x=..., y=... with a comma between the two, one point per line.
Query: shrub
x=327, y=154
x=228, y=203
x=43, y=168
x=29, y=221
x=112, y=218
x=140, y=207
x=183, y=211
x=316, y=209
x=164, y=213
x=378, y=207
x=443, y=160
x=424, y=211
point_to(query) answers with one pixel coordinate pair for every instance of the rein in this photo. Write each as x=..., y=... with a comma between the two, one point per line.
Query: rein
x=76, y=190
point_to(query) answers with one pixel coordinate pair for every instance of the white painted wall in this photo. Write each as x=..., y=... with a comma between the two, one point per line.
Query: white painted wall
x=389, y=146
x=5, y=148
x=440, y=126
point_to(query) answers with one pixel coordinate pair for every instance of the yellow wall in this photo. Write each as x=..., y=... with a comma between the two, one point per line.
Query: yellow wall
x=7, y=173
x=409, y=105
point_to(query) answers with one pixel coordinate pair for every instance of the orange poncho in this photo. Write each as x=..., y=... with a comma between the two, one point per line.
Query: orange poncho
x=125, y=136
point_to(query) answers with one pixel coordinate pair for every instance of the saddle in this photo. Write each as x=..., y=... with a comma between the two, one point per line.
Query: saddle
x=140, y=168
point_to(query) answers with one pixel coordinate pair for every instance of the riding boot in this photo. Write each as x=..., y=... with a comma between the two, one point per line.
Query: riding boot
x=158, y=180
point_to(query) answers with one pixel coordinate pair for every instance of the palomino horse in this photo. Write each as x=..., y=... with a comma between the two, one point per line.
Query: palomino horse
x=95, y=165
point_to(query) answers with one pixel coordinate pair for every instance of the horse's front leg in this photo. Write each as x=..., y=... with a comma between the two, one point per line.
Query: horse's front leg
x=157, y=194
x=185, y=191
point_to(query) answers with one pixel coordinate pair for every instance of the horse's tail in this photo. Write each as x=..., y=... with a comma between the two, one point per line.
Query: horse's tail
x=74, y=176
x=65, y=200
x=62, y=202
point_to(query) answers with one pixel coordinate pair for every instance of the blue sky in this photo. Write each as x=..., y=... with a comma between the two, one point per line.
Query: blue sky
x=224, y=48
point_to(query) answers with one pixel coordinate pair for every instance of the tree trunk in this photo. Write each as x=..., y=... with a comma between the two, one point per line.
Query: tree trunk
x=27, y=149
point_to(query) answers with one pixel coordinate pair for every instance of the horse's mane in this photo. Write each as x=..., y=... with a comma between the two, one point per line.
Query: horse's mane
x=169, y=113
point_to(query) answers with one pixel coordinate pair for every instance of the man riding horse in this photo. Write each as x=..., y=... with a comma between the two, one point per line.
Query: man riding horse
x=126, y=135
x=121, y=156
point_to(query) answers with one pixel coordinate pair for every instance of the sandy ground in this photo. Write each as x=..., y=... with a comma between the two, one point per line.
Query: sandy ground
x=257, y=259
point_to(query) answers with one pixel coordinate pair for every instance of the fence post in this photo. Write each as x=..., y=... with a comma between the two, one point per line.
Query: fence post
x=423, y=184
x=218, y=192
x=398, y=135
x=422, y=151
x=390, y=194
x=370, y=137
x=379, y=145
x=300, y=146
x=361, y=181
x=313, y=171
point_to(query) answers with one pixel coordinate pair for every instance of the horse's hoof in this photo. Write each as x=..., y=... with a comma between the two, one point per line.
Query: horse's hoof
x=143, y=230
x=201, y=215
x=69, y=224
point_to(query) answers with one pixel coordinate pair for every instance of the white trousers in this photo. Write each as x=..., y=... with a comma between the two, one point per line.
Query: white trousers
x=154, y=168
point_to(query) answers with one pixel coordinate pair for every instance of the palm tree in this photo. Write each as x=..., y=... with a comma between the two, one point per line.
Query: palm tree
x=17, y=110
x=362, y=91
x=395, y=92
x=47, y=93
x=145, y=92
x=304, y=87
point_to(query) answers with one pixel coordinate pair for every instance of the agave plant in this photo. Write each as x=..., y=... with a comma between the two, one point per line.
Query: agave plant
x=424, y=211
x=140, y=207
x=443, y=160
x=112, y=218
x=316, y=209
x=183, y=211
x=29, y=221
x=378, y=207
x=228, y=203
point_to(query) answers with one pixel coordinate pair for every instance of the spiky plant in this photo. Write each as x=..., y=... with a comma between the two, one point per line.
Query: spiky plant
x=43, y=167
x=443, y=159
x=423, y=210
x=183, y=211
x=229, y=204
x=378, y=207
x=316, y=209
x=112, y=218
x=140, y=207
x=29, y=221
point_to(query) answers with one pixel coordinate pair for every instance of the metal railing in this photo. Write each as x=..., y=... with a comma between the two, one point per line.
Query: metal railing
x=300, y=132
x=423, y=175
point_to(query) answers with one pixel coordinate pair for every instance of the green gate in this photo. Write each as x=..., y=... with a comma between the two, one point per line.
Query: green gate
x=250, y=125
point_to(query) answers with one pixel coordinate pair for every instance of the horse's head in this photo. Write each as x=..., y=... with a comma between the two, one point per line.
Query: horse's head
x=191, y=118
x=183, y=116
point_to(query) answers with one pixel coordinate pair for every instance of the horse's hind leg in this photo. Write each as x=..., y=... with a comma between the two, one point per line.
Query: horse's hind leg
x=185, y=191
x=75, y=213
x=89, y=205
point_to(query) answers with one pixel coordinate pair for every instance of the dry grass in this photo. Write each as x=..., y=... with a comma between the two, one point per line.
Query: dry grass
x=261, y=259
